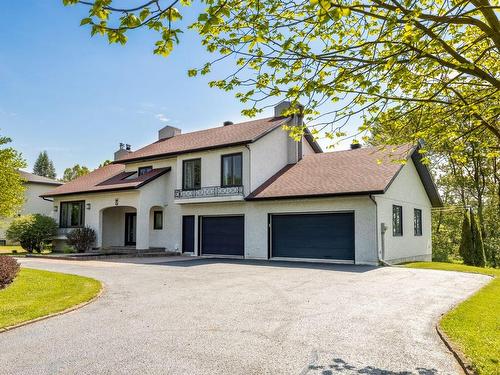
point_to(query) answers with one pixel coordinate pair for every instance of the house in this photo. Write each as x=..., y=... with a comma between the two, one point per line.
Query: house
x=33, y=203
x=249, y=190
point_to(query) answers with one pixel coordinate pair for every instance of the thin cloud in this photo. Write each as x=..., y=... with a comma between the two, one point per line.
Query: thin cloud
x=162, y=117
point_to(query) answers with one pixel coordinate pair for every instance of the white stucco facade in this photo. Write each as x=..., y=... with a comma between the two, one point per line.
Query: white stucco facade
x=262, y=159
x=408, y=192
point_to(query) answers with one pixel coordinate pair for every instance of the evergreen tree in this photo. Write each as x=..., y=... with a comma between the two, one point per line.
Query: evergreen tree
x=477, y=241
x=44, y=166
x=466, y=244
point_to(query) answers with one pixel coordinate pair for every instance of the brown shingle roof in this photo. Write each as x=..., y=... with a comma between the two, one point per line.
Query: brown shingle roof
x=33, y=178
x=235, y=134
x=360, y=171
x=108, y=178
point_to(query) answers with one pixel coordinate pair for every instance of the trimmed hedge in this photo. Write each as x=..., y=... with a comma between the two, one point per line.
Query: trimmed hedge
x=9, y=268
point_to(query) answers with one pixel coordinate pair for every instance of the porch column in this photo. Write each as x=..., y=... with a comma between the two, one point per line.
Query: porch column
x=98, y=241
x=142, y=242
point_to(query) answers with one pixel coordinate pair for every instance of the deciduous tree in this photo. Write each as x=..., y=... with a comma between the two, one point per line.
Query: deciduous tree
x=362, y=56
x=11, y=183
x=76, y=171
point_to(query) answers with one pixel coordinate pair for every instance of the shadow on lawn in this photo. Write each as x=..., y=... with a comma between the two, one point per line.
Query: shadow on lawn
x=338, y=365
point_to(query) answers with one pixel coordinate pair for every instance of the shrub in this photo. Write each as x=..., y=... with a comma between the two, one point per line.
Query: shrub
x=82, y=239
x=471, y=245
x=68, y=250
x=32, y=231
x=9, y=268
x=466, y=243
x=478, y=254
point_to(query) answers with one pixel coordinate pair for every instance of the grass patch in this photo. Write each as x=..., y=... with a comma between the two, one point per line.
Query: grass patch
x=36, y=293
x=7, y=250
x=16, y=250
x=474, y=325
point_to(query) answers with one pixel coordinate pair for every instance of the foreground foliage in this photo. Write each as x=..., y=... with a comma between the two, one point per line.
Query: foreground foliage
x=37, y=293
x=473, y=324
x=9, y=268
x=32, y=231
x=362, y=57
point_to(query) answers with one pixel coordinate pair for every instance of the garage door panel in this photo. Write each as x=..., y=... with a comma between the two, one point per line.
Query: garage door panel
x=222, y=235
x=315, y=236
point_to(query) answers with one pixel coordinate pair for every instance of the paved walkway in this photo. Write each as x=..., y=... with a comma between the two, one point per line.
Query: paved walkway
x=243, y=317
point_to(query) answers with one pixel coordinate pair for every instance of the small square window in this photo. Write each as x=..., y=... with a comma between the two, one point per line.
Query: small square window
x=417, y=222
x=397, y=220
x=158, y=220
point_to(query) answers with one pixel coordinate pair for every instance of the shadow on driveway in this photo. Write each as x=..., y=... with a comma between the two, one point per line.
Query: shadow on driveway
x=196, y=262
x=338, y=365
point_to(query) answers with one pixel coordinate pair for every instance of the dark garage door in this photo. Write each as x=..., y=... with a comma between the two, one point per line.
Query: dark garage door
x=222, y=235
x=314, y=236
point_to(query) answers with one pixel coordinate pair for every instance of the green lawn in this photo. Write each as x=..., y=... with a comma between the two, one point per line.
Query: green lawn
x=35, y=293
x=474, y=325
x=7, y=250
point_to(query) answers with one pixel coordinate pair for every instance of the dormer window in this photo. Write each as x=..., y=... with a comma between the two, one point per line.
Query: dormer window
x=143, y=170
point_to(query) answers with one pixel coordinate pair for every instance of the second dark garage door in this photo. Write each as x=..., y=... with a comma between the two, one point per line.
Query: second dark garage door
x=222, y=235
x=313, y=236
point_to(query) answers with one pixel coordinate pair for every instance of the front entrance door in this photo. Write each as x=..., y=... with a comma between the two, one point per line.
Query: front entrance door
x=130, y=228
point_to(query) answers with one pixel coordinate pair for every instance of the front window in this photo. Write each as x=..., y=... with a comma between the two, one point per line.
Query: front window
x=191, y=174
x=158, y=220
x=397, y=220
x=417, y=222
x=72, y=214
x=232, y=170
x=144, y=170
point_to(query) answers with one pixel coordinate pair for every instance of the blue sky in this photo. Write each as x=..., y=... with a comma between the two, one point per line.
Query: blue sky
x=77, y=97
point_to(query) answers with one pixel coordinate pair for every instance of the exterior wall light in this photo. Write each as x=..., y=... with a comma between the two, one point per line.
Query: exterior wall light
x=117, y=201
x=88, y=206
x=56, y=208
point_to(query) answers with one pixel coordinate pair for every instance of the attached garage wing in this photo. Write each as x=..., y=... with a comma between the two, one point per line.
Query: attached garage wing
x=313, y=236
x=222, y=235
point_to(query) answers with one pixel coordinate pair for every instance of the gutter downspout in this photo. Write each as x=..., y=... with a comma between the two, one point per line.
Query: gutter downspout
x=379, y=258
x=48, y=200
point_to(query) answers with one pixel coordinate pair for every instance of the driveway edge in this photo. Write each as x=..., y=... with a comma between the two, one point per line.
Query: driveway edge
x=457, y=353
x=68, y=310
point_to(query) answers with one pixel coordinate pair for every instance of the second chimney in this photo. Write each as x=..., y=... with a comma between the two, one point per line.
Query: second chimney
x=122, y=151
x=355, y=146
x=168, y=132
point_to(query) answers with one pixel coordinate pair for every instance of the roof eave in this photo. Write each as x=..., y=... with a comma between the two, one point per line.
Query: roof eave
x=308, y=196
x=167, y=169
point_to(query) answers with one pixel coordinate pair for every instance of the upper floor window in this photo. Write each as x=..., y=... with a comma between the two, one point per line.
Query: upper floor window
x=232, y=170
x=72, y=214
x=417, y=222
x=191, y=174
x=397, y=220
x=144, y=170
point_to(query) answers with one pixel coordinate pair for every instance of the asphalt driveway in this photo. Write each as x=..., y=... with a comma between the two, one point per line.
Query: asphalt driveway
x=242, y=317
